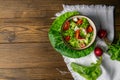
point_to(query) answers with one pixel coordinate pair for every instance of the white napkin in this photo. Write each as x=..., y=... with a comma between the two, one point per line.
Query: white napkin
x=103, y=18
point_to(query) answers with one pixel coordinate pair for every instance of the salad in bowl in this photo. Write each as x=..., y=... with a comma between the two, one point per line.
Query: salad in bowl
x=78, y=32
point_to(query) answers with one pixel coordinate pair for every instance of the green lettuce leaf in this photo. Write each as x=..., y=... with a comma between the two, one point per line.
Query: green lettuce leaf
x=85, y=23
x=74, y=42
x=72, y=24
x=88, y=72
x=69, y=32
x=55, y=38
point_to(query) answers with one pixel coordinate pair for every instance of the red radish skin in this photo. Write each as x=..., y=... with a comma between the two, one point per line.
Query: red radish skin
x=102, y=33
x=98, y=51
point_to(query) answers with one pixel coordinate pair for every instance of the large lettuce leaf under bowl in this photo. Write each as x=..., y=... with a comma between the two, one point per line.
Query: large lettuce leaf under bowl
x=57, y=42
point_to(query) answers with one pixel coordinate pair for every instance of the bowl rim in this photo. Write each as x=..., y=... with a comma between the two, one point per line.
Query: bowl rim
x=90, y=22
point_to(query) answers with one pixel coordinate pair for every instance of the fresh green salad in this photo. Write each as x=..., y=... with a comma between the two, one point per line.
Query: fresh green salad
x=77, y=32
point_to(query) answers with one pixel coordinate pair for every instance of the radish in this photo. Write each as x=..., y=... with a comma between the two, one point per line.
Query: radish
x=98, y=51
x=102, y=33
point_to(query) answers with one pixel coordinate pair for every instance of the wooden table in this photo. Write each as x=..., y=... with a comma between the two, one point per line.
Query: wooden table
x=25, y=50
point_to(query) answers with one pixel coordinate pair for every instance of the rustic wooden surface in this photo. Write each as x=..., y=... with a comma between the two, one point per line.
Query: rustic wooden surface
x=25, y=50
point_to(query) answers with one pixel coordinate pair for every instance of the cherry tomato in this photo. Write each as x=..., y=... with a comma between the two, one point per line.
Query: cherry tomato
x=77, y=33
x=89, y=29
x=80, y=21
x=67, y=38
x=79, y=37
x=66, y=25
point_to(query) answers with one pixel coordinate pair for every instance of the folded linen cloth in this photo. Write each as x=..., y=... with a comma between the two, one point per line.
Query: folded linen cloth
x=103, y=18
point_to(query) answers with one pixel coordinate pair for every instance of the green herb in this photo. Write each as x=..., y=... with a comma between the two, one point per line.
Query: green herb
x=55, y=38
x=91, y=72
x=114, y=50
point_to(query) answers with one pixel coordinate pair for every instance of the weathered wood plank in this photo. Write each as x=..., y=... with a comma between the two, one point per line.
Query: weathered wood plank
x=29, y=7
x=33, y=74
x=29, y=55
x=11, y=14
x=31, y=61
x=24, y=34
x=37, y=19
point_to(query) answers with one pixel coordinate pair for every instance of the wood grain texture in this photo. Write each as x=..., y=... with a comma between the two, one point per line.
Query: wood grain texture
x=25, y=50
